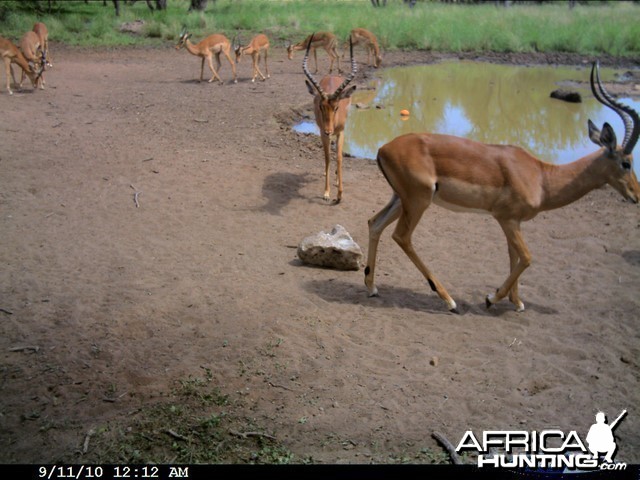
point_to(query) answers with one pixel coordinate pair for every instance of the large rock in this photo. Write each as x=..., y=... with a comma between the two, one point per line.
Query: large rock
x=567, y=96
x=335, y=249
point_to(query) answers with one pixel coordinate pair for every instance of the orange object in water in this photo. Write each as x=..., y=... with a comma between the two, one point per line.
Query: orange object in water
x=404, y=113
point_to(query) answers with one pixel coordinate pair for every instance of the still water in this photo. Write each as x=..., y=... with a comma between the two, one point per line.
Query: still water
x=485, y=102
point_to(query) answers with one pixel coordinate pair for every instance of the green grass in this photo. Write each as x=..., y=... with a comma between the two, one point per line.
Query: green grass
x=600, y=27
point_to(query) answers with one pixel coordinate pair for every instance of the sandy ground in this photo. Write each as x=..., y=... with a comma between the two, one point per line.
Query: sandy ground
x=117, y=300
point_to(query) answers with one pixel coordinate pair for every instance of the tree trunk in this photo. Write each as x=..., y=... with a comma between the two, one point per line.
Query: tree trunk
x=199, y=5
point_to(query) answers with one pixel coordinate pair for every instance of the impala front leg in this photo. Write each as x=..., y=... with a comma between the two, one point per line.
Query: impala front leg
x=377, y=224
x=7, y=65
x=520, y=259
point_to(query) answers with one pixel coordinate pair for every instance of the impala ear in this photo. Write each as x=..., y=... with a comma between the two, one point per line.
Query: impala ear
x=608, y=137
x=347, y=92
x=605, y=138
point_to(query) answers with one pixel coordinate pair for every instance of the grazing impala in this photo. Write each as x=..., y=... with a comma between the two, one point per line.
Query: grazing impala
x=30, y=45
x=215, y=44
x=12, y=54
x=43, y=35
x=504, y=181
x=330, y=104
x=370, y=42
x=326, y=40
x=258, y=45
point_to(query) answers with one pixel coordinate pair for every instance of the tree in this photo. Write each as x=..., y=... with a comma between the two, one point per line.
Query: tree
x=198, y=5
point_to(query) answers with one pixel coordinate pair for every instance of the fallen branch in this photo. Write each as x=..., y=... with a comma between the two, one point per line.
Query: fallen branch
x=177, y=435
x=284, y=387
x=4, y=310
x=26, y=347
x=251, y=434
x=455, y=458
x=87, y=437
x=136, y=194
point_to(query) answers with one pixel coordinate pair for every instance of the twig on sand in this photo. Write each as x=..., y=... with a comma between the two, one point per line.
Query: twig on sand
x=87, y=437
x=4, y=310
x=177, y=435
x=455, y=458
x=251, y=434
x=35, y=348
x=136, y=194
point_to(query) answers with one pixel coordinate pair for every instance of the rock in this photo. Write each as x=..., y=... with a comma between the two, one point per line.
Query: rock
x=335, y=249
x=573, y=97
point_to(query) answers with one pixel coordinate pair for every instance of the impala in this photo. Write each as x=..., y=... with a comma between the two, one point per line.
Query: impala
x=330, y=105
x=43, y=35
x=12, y=54
x=215, y=44
x=259, y=44
x=370, y=42
x=504, y=181
x=326, y=40
x=30, y=44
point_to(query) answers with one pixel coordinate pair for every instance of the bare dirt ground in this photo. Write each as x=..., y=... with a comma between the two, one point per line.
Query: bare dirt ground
x=108, y=305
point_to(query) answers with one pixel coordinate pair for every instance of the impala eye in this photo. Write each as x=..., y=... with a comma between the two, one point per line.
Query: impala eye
x=626, y=165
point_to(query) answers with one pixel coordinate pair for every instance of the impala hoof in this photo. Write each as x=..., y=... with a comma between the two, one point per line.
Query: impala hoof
x=373, y=293
x=453, y=307
x=489, y=301
x=519, y=307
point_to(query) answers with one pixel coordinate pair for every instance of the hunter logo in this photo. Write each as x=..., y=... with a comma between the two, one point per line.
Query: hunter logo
x=548, y=448
x=600, y=437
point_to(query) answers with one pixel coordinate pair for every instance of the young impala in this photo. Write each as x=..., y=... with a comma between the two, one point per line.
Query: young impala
x=32, y=51
x=12, y=54
x=326, y=40
x=504, y=181
x=212, y=45
x=259, y=44
x=330, y=104
x=370, y=42
x=43, y=35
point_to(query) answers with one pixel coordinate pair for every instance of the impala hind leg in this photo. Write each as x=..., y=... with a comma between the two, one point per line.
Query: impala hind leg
x=409, y=218
x=215, y=75
x=339, y=147
x=377, y=224
x=326, y=146
x=520, y=259
x=231, y=62
x=256, y=68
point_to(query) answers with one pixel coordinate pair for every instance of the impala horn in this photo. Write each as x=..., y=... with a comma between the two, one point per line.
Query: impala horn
x=354, y=70
x=305, y=69
x=628, y=115
x=343, y=85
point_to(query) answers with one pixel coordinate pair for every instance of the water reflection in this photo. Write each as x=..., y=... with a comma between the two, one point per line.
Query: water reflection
x=485, y=102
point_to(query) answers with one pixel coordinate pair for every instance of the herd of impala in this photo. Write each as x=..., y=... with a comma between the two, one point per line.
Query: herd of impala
x=459, y=174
